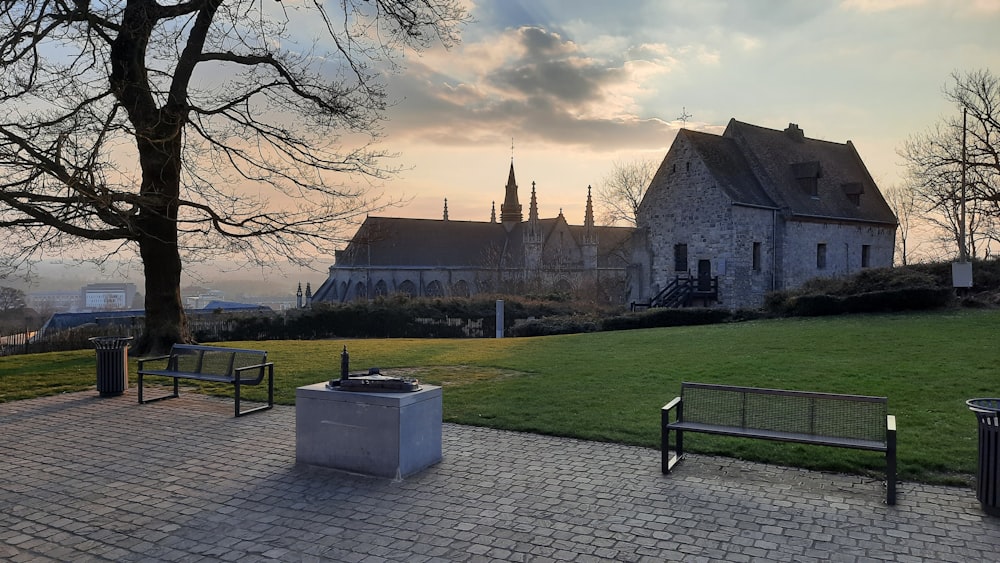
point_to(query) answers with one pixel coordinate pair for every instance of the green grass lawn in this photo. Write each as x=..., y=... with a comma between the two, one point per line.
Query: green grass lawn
x=610, y=386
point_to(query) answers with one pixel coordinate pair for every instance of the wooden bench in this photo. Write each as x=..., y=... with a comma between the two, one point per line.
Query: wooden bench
x=827, y=419
x=236, y=366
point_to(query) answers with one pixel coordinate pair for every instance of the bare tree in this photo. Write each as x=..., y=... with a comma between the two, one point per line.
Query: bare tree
x=902, y=199
x=11, y=299
x=935, y=157
x=622, y=189
x=193, y=127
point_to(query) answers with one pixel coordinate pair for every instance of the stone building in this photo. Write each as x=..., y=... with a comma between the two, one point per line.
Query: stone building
x=728, y=218
x=441, y=257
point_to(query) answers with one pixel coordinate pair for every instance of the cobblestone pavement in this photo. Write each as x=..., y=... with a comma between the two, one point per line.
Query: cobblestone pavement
x=88, y=479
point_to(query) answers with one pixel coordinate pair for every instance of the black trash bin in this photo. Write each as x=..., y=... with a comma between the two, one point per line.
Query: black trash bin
x=112, y=364
x=988, y=473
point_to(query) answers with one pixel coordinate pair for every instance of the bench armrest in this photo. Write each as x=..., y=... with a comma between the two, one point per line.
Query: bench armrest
x=671, y=405
x=263, y=369
x=667, y=460
x=152, y=359
x=269, y=365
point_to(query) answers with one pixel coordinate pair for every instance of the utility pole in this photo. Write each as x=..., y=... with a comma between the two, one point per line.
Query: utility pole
x=961, y=271
x=963, y=253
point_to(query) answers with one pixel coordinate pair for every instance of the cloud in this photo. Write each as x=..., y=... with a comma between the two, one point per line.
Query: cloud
x=875, y=6
x=535, y=83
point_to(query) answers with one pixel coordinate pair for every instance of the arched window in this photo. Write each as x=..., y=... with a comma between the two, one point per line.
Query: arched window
x=460, y=289
x=434, y=289
x=408, y=288
x=381, y=289
x=360, y=292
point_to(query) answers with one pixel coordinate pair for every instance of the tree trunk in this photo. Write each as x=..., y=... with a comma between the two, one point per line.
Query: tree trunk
x=166, y=322
x=159, y=157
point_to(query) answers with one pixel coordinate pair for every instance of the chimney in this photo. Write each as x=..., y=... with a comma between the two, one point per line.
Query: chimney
x=795, y=133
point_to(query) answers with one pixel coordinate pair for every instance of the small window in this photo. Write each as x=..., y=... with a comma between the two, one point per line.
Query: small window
x=688, y=166
x=810, y=186
x=853, y=192
x=866, y=255
x=756, y=256
x=821, y=256
x=680, y=257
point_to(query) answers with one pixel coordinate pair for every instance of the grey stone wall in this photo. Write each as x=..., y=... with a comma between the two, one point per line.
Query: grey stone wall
x=744, y=283
x=844, y=243
x=349, y=283
x=681, y=206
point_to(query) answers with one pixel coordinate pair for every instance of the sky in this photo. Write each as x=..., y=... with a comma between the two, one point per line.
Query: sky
x=575, y=85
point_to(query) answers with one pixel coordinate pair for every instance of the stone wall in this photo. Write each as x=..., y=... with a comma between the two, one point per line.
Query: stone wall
x=844, y=247
x=350, y=283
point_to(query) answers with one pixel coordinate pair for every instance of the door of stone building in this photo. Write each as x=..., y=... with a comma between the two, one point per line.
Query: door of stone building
x=704, y=275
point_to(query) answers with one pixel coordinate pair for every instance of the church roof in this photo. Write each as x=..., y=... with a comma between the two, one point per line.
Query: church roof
x=391, y=241
x=403, y=242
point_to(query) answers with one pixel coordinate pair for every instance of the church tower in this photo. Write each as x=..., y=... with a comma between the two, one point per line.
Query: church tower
x=589, y=245
x=510, y=209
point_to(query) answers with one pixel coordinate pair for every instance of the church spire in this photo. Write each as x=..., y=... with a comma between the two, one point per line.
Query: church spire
x=589, y=233
x=534, y=232
x=589, y=246
x=588, y=218
x=510, y=209
x=445, y=209
x=533, y=206
x=493, y=213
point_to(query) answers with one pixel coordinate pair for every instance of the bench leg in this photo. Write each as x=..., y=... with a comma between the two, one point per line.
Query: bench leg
x=890, y=468
x=270, y=394
x=669, y=460
x=174, y=395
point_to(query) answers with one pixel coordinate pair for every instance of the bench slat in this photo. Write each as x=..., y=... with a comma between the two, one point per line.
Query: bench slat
x=189, y=375
x=780, y=436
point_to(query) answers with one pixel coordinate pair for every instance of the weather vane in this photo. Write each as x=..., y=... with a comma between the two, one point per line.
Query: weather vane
x=684, y=115
x=512, y=149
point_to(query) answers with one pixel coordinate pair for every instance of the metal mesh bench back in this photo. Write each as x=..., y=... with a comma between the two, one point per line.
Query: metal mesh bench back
x=818, y=414
x=218, y=361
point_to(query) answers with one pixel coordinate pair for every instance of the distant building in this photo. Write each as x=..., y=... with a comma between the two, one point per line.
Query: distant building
x=203, y=297
x=107, y=296
x=438, y=258
x=735, y=216
x=53, y=301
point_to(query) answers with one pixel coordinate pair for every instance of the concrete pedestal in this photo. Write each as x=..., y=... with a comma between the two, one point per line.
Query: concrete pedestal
x=382, y=434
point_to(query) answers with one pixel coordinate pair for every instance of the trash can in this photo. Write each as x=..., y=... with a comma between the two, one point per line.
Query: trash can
x=988, y=473
x=112, y=364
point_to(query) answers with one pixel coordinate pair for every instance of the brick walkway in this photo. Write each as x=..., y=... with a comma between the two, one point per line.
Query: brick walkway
x=85, y=478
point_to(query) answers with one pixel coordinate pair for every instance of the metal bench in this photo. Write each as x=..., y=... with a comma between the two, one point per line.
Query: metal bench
x=827, y=419
x=211, y=363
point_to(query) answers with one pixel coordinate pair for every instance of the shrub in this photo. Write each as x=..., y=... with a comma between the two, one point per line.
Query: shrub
x=555, y=325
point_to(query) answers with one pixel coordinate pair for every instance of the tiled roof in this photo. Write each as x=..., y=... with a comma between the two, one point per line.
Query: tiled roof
x=390, y=241
x=402, y=242
x=786, y=162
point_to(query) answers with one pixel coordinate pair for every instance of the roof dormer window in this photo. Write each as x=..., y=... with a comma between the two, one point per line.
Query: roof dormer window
x=807, y=174
x=853, y=190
